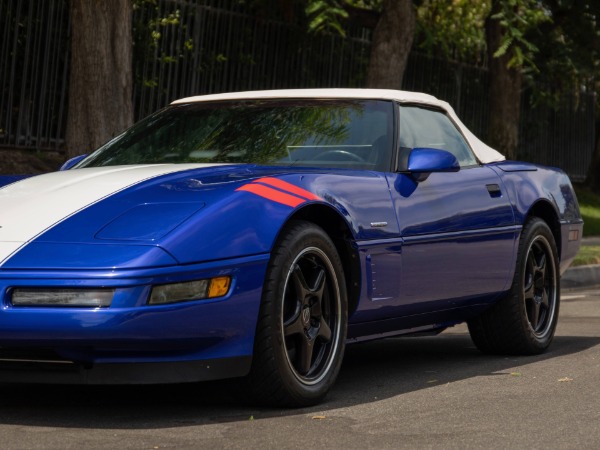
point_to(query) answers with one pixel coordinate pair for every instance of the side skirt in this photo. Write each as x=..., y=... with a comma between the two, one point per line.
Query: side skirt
x=419, y=323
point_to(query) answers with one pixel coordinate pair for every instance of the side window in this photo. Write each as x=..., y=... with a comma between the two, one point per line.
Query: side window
x=426, y=128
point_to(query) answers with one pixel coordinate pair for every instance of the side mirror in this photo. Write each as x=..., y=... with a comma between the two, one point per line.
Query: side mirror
x=424, y=161
x=71, y=162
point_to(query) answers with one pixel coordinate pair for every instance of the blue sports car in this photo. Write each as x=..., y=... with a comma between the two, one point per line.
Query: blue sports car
x=255, y=234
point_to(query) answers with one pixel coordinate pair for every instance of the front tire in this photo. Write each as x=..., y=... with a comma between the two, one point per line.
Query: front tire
x=302, y=323
x=525, y=320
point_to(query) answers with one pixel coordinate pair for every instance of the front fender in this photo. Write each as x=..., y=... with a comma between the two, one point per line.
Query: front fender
x=249, y=218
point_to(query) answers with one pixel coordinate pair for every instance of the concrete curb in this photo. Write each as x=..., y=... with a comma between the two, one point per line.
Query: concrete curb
x=581, y=277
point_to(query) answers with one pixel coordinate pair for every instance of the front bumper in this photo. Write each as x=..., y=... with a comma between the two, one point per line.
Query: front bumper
x=190, y=341
x=58, y=371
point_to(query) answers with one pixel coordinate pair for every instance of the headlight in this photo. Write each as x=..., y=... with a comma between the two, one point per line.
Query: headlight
x=87, y=298
x=190, y=290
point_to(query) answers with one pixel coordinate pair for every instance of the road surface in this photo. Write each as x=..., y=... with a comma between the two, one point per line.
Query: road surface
x=425, y=392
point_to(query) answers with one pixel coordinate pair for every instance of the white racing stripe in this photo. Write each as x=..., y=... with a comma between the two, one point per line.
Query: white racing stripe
x=33, y=205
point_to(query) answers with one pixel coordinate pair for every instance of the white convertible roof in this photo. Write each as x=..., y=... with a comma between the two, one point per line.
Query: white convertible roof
x=484, y=153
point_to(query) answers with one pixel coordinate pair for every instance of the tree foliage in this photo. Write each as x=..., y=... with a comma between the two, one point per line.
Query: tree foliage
x=518, y=20
x=326, y=15
x=569, y=56
x=553, y=42
x=334, y=15
x=456, y=28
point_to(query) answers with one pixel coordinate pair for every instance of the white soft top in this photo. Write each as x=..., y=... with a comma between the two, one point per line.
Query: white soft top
x=484, y=153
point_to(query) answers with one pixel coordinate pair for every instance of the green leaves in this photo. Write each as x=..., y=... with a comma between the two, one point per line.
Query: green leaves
x=325, y=16
x=503, y=48
x=456, y=28
x=519, y=19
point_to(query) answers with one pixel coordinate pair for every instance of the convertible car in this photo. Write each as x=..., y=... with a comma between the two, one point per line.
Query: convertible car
x=254, y=235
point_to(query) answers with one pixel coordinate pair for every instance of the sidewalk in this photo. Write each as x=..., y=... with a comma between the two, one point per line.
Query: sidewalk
x=582, y=276
x=591, y=241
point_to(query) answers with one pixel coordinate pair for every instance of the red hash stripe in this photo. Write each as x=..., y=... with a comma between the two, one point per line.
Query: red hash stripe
x=272, y=194
x=284, y=186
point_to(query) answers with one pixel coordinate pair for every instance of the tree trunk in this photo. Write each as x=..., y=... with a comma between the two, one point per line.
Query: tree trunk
x=592, y=180
x=392, y=40
x=504, y=95
x=100, y=83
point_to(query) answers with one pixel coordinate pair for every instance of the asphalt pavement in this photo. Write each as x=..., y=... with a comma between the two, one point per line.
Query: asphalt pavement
x=421, y=392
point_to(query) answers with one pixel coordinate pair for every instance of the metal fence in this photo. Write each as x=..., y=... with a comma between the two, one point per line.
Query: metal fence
x=214, y=49
x=562, y=137
x=187, y=47
x=34, y=60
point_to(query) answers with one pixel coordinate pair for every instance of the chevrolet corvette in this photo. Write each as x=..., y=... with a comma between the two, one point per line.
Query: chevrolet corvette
x=254, y=235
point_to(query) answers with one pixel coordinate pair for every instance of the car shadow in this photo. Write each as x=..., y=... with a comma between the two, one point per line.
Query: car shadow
x=370, y=372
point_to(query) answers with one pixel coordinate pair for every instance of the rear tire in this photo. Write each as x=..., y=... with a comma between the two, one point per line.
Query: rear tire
x=525, y=320
x=301, y=329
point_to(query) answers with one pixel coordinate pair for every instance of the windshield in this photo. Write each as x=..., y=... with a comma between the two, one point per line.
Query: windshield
x=316, y=133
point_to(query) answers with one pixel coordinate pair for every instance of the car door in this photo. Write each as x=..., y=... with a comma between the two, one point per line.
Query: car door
x=457, y=228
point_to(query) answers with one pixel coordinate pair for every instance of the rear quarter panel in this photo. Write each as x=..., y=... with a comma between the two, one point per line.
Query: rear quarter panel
x=531, y=186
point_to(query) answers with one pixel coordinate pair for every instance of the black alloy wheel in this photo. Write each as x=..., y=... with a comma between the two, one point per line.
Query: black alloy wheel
x=523, y=322
x=539, y=286
x=301, y=328
x=311, y=316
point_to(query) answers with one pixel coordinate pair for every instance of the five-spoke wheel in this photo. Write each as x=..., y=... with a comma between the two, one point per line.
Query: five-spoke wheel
x=539, y=286
x=311, y=319
x=524, y=321
x=301, y=327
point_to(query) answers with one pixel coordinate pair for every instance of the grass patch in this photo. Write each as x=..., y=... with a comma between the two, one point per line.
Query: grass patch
x=589, y=204
x=588, y=254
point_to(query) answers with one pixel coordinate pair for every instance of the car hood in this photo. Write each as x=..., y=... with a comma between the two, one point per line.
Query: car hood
x=32, y=206
x=160, y=215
